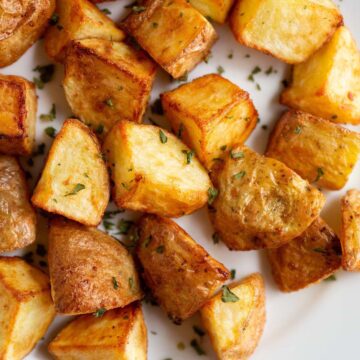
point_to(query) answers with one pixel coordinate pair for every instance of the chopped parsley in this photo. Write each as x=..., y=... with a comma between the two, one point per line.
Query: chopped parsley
x=297, y=130
x=228, y=295
x=230, y=55
x=50, y=116
x=138, y=8
x=198, y=330
x=216, y=238
x=220, y=70
x=181, y=345
x=46, y=72
x=50, y=131
x=106, y=11
x=189, y=155
x=99, y=312
x=147, y=241
x=131, y=283
x=76, y=189
x=108, y=225
x=109, y=102
x=124, y=226
x=183, y=78
x=54, y=19
x=39, y=84
x=320, y=173
x=239, y=175
x=115, y=283
x=212, y=194
x=163, y=137
x=232, y=274
x=330, y=278
x=269, y=71
x=196, y=346
x=160, y=249
x=320, y=250
x=236, y=155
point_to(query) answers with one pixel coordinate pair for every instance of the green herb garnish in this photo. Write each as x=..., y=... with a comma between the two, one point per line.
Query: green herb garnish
x=189, y=155
x=198, y=330
x=320, y=173
x=330, y=278
x=115, y=283
x=232, y=274
x=212, y=194
x=106, y=11
x=46, y=72
x=196, y=346
x=131, y=283
x=160, y=249
x=50, y=131
x=297, y=130
x=109, y=102
x=99, y=312
x=228, y=295
x=236, y=155
x=54, y=19
x=124, y=226
x=76, y=189
x=138, y=8
x=216, y=238
x=239, y=175
x=50, y=116
x=220, y=70
x=163, y=137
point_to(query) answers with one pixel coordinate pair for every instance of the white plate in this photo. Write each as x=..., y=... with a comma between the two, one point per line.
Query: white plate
x=317, y=323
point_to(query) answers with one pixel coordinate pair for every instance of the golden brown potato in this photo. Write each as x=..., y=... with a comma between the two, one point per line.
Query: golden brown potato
x=117, y=334
x=74, y=182
x=76, y=20
x=290, y=30
x=186, y=36
x=235, y=318
x=17, y=217
x=350, y=230
x=261, y=202
x=210, y=114
x=17, y=115
x=327, y=84
x=180, y=273
x=80, y=286
x=147, y=164
x=106, y=82
x=307, y=259
x=27, y=308
x=316, y=149
x=216, y=10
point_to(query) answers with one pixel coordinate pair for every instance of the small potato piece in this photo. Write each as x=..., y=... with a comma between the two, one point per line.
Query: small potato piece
x=119, y=334
x=186, y=36
x=80, y=286
x=74, y=182
x=211, y=114
x=235, y=328
x=216, y=10
x=107, y=81
x=179, y=272
x=26, y=307
x=307, y=259
x=153, y=171
x=261, y=202
x=18, y=107
x=316, y=149
x=290, y=30
x=328, y=83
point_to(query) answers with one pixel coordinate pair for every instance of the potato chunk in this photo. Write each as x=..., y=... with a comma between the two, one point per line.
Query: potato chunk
x=316, y=149
x=76, y=20
x=327, y=84
x=235, y=327
x=307, y=259
x=180, y=273
x=80, y=286
x=261, y=202
x=290, y=30
x=74, y=182
x=186, y=36
x=216, y=10
x=210, y=114
x=350, y=230
x=27, y=308
x=107, y=81
x=147, y=164
x=17, y=115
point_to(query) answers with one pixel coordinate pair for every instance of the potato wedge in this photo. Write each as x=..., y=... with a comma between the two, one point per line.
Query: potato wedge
x=80, y=286
x=186, y=36
x=216, y=10
x=117, y=334
x=261, y=202
x=290, y=30
x=316, y=149
x=307, y=259
x=180, y=273
x=327, y=84
x=235, y=327
x=27, y=307
x=211, y=114
x=74, y=182
x=147, y=163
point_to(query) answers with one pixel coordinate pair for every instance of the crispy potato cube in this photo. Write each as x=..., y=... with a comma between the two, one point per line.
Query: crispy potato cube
x=235, y=328
x=107, y=81
x=77, y=20
x=290, y=30
x=216, y=10
x=27, y=307
x=17, y=115
x=147, y=164
x=307, y=259
x=186, y=36
x=316, y=149
x=261, y=203
x=328, y=83
x=350, y=230
x=180, y=273
x=74, y=182
x=80, y=286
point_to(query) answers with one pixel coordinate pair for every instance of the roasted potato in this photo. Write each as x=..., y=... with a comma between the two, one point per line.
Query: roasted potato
x=74, y=182
x=307, y=259
x=350, y=230
x=147, y=164
x=186, y=36
x=27, y=308
x=77, y=20
x=210, y=114
x=290, y=30
x=316, y=149
x=107, y=81
x=261, y=203
x=235, y=318
x=216, y=10
x=180, y=273
x=17, y=115
x=328, y=83
x=117, y=334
